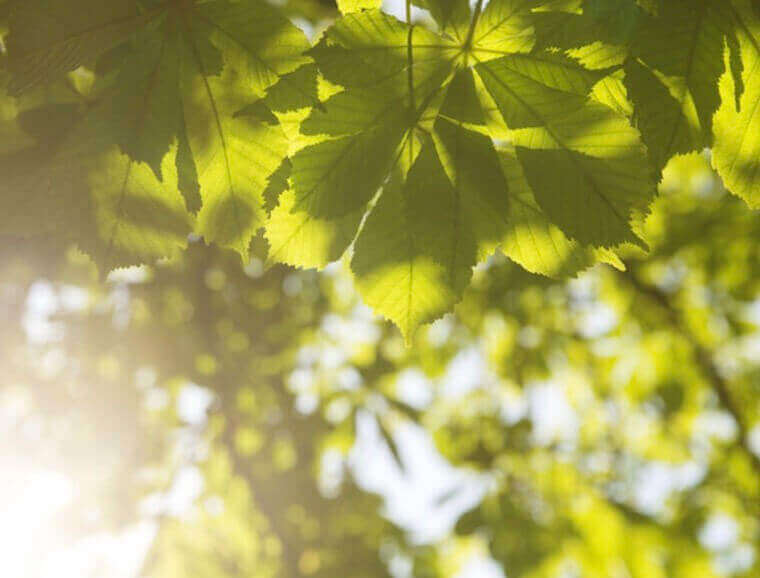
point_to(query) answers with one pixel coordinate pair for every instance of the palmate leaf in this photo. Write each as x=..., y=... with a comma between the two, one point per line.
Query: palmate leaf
x=363, y=128
x=444, y=196
x=460, y=201
x=171, y=110
x=534, y=127
x=401, y=160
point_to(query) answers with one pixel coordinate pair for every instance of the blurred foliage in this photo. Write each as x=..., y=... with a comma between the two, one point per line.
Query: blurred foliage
x=609, y=420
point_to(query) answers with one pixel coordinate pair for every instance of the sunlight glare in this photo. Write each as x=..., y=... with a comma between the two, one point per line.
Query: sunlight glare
x=29, y=504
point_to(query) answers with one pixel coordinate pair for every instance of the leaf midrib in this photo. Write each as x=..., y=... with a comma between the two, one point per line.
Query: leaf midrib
x=140, y=133
x=217, y=120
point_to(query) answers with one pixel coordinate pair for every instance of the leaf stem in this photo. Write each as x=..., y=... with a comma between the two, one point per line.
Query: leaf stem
x=409, y=55
x=473, y=23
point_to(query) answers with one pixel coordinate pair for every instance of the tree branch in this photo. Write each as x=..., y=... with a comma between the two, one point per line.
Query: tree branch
x=703, y=357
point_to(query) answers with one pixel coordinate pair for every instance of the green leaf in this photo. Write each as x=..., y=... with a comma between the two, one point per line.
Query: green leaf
x=144, y=116
x=667, y=126
x=187, y=173
x=532, y=240
x=348, y=6
x=470, y=161
x=363, y=127
x=278, y=184
x=49, y=38
x=414, y=256
x=674, y=84
x=411, y=261
x=736, y=149
x=452, y=16
x=317, y=222
x=88, y=191
x=233, y=154
x=295, y=90
x=599, y=172
x=138, y=212
x=619, y=18
x=591, y=198
x=176, y=92
x=504, y=27
x=531, y=90
x=138, y=217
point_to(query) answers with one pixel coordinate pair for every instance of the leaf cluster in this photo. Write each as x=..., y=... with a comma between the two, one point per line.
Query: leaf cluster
x=538, y=128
